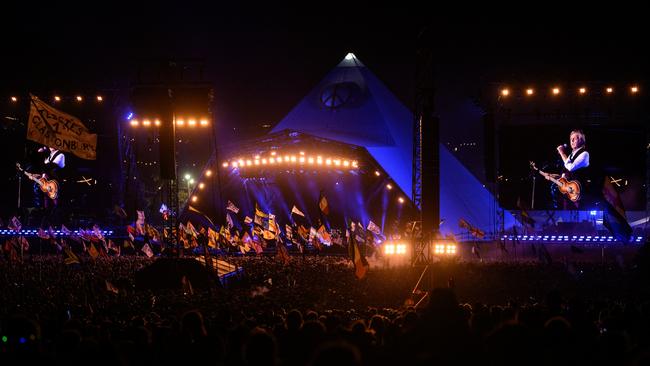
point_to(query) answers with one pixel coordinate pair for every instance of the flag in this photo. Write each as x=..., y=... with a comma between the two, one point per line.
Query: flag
x=296, y=211
x=247, y=220
x=324, y=236
x=139, y=224
x=94, y=253
x=190, y=230
x=147, y=250
x=213, y=238
x=360, y=263
x=15, y=224
x=374, y=228
x=614, y=214
x=119, y=211
x=231, y=207
x=70, y=257
x=322, y=204
x=204, y=216
x=259, y=212
x=525, y=217
x=23, y=244
x=97, y=232
x=65, y=230
x=51, y=127
x=164, y=210
x=231, y=224
x=42, y=234
x=283, y=253
x=258, y=221
x=288, y=232
x=272, y=226
x=111, y=288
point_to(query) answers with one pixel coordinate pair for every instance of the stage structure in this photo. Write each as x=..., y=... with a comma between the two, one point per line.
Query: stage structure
x=364, y=137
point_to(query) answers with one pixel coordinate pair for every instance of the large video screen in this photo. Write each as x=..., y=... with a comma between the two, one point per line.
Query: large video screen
x=618, y=152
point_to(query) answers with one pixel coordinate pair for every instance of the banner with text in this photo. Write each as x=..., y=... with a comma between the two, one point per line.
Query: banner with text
x=53, y=128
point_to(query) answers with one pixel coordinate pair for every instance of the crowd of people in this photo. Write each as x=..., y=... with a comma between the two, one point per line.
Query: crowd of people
x=313, y=310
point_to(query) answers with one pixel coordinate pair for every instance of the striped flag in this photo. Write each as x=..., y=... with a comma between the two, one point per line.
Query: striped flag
x=229, y=221
x=374, y=228
x=322, y=204
x=296, y=211
x=231, y=207
x=247, y=220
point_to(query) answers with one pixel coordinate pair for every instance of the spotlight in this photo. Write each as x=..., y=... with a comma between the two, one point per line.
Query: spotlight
x=355, y=164
x=14, y=99
x=79, y=98
x=208, y=173
x=582, y=90
x=556, y=91
x=195, y=198
x=634, y=89
x=57, y=98
x=156, y=122
x=100, y=98
x=389, y=249
x=201, y=185
x=191, y=122
x=377, y=173
x=529, y=91
x=146, y=123
x=134, y=122
x=505, y=92
x=401, y=200
x=609, y=90
x=180, y=122
x=188, y=177
x=389, y=186
x=204, y=122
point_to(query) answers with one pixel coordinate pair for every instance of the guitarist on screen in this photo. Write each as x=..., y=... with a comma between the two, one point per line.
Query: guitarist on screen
x=575, y=163
x=53, y=164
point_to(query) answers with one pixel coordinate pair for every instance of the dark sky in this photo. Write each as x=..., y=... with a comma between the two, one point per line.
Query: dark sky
x=263, y=59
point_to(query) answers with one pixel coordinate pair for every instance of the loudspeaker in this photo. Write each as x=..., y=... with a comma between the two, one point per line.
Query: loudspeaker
x=489, y=147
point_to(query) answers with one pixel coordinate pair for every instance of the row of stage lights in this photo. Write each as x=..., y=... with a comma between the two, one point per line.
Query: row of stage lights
x=506, y=92
x=399, y=249
x=58, y=98
x=155, y=122
x=275, y=159
x=567, y=238
x=27, y=232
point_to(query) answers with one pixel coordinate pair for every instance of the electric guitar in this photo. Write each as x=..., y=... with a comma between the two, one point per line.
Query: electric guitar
x=570, y=188
x=49, y=186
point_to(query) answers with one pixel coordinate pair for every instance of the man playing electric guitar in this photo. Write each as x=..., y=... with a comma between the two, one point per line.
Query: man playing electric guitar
x=575, y=164
x=53, y=164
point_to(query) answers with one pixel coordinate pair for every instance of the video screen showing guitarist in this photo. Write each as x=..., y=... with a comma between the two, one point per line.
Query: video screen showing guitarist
x=52, y=167
x=575, y=168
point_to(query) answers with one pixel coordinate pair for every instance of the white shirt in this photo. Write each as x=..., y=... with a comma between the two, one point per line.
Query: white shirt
x=59, y=160
x=582, y=161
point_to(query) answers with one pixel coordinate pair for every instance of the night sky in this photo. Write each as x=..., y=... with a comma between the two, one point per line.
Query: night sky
x=263, y=59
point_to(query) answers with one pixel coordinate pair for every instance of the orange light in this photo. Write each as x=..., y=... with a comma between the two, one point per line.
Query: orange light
x=57, y=98
x=79, y=98
x=529, y=91
x=195, y=198
x=204, y=122
x=225, y=164
x=389, y=186
x=146, y=123
x=401, y=200
x=14, y=99
x=556, y=91
x=191, y=122
x=180, y=122
x=377, y=173
x=201, y=185
x=634, y=89
x=156, y=122
x=582, y=90
x=505, y=92
x=609, y=90
x=134, y=123
x=208, y=173
x=100, y=98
